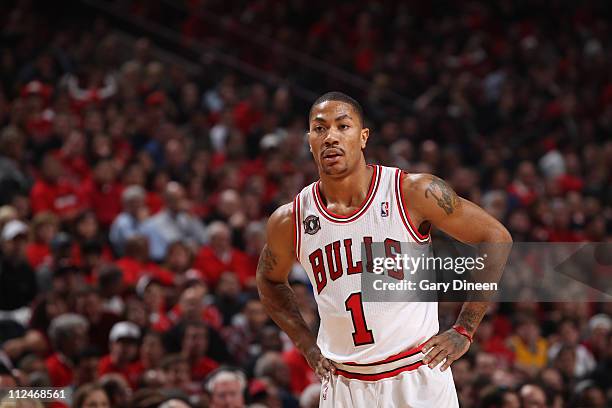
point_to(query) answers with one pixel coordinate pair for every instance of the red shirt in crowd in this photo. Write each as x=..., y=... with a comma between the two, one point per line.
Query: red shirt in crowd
x=134, y=372
x=301, y=373
x=37, y=253
x=212, y=267
x=497, y=345
x=524, y=194
x=246, y=117
x=154, y=202
x=59, y=370
x=104, y=200
x=134, y=269
x=210, y=315
x=106, y=366
x=76, y=166
x=202, y=367
x=60, y=198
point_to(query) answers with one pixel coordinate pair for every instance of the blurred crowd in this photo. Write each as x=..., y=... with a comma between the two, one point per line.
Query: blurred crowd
x=134, y=194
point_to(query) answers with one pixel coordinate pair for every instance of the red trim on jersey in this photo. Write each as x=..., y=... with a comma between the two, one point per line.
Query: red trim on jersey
x=296, y=226
x=404, y=215
x=328, y=215
x=403, y=354
x=379, y=376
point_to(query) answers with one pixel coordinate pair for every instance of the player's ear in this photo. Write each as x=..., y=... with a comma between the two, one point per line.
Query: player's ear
x=365, y=134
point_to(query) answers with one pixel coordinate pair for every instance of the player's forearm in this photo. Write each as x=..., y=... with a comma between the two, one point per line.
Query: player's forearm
x=495, y=249
x=471, y=315
x=280, y=304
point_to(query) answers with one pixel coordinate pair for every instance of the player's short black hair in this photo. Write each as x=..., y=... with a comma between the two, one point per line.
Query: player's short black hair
x=340, y=97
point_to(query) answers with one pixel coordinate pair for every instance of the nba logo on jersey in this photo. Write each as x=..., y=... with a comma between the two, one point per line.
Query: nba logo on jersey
x=384, y=209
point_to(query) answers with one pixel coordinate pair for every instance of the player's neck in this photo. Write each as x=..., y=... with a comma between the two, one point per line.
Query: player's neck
x=348, y=191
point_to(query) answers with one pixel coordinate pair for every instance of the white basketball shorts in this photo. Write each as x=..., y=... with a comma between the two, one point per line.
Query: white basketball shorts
x=401, y=381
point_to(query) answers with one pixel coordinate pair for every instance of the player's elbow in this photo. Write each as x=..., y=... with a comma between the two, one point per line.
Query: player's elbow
x=498, y=235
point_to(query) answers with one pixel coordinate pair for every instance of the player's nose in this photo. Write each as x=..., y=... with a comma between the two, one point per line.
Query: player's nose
x=331, y=138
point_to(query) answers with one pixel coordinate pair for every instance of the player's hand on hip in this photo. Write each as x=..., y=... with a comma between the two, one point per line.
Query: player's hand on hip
x=449, y=345
x=322, y=367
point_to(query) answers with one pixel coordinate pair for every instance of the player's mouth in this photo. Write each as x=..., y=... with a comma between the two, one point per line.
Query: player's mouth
x=332, y=155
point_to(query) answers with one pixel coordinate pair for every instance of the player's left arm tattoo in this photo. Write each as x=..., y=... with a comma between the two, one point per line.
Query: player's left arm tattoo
x=471, y=315
x=444, y=195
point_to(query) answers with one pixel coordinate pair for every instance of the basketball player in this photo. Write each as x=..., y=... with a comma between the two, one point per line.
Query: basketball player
x=368, y=354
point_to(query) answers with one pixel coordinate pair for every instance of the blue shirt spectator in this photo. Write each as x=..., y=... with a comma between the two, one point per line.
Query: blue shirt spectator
x=172, y=224
x=128, y=222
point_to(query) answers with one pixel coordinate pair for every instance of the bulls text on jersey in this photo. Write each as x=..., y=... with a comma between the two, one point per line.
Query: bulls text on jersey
x=327, y=262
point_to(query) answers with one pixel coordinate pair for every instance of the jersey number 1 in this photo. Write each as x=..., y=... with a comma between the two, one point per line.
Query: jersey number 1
x=362, y=335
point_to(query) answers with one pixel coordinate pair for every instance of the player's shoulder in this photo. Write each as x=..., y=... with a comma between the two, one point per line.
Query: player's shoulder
x=418, y=182
x=281, y=219
x=421, y=188
x=280, y=230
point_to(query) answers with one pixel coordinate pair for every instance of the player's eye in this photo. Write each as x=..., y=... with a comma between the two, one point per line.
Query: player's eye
x=319, y=129
x=344, y=127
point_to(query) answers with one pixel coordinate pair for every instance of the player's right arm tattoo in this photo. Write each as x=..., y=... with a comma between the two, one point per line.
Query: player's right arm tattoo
x=444, y=195
x=267, y=261
x=279, y=301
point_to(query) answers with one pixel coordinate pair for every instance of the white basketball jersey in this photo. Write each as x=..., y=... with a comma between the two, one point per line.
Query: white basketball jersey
x=329, y=248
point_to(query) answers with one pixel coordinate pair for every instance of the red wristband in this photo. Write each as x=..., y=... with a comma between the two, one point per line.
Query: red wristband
x=462, y=331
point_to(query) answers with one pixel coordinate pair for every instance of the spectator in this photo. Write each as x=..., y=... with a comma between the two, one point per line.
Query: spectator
x=12, y=178
x=226, y=388
x=150, y=355
x=177, y=374
x=127, y=223
x=87, y=233
x=117, y=389
x=532, y=396
x=191, y=307
x=86, y=366
x=7, y=213
x=17, y=279
x=52, y=192
x=219, y=257
x=175, y=403
x=136, y=263
x=592, y=397
x=44, y=227
x=310, y=396
x=111, y=289
x=102, y=192
x=68, y=336
x=172, y=223
x=123, y=349
x=569, y=336
x=179, y=261
x=152, y=292
x=271, y=366
x=194, y=348
x=90, y=396
x=88, y=303
x=246, y=330
x=528, y=346
x=228, y=298
x=500, y=398
x=301, y=374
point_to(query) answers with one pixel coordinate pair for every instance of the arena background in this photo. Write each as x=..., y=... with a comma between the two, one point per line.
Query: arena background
x=112, y=111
